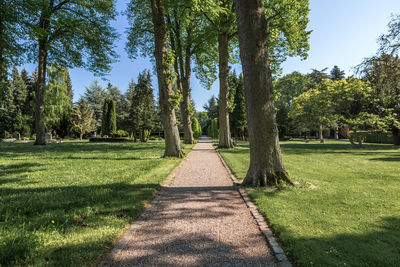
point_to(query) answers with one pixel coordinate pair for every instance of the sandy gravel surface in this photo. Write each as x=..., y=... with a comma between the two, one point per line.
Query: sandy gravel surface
x=199, y=220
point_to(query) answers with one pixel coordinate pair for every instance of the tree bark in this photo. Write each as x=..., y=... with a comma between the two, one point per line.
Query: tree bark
x=183, y=80
x=336, y=133
x=225, y=140
x=40, y=87
x=168, y=119
x=185, y=105
x=396, y=136
x=266, y=165
x=321, y=134
x=81, y=136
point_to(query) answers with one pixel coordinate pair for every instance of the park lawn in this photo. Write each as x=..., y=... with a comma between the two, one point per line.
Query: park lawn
x=346, y=211
x=65, y=204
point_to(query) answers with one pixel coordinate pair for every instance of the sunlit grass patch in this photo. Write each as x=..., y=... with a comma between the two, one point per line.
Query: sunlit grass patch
x=64, y=204
x=346, y=211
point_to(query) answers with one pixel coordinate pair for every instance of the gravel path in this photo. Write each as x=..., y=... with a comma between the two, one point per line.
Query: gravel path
x=198, y=220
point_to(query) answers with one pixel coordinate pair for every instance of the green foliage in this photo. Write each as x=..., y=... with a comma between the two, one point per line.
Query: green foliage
x=197, y=131
x=120, y=133
x=78, y=33
x=109, y=121
x=58, y=102
x=288, y=21
x=211, y=108
x=95, y=95
x=376, y=137
x=142, y=112
x=213, y=130
x=16, y=114
x=344, y=102
x=115, y=94
x=336, y=74
x=237, y=117
x=203, y=119
x=82, y=118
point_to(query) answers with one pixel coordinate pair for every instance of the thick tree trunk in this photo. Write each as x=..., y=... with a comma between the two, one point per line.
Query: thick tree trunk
x=266, y=166
x=2, y=71
x=321, y=134
x=336, y=133
x=81, y=136
x=396, y=136
x=168, y=119
x=39, y=94
x=225, y=140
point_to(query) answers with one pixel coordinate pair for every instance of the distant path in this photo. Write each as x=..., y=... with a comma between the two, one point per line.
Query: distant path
x=199, y=220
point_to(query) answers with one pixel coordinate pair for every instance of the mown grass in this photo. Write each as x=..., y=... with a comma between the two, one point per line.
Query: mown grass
x=64, y=204
x=346, y=211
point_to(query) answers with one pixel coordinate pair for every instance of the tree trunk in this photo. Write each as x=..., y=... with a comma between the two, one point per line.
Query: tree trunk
x=336, y=133
x=225, y=140
x=266, y=166
x=185, y=106
x=2, y=69
x=321, y=134
x=396, y=136
x=39, y=100
x=81, y=136
x=168, y=119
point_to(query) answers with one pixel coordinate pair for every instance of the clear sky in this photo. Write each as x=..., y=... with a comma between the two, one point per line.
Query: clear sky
x=344, y=32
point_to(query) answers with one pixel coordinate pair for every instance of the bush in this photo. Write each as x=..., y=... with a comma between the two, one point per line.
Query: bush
x=120, y=133
x=109, y=140
x=376, y=137
x=196, y=128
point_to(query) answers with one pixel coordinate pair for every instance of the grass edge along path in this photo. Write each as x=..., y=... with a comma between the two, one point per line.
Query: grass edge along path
x=345, y=211
x=65, y=204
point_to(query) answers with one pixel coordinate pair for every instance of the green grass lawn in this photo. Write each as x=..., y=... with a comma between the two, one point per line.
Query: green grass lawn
x=64, y=204
x=347, y=211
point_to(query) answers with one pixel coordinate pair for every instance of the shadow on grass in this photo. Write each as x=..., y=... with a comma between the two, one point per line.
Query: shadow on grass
x=13, y=150
x=27, y=213
x=380, y=247
x=387, y=159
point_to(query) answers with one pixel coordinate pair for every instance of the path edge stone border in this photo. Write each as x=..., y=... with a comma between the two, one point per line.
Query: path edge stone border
x=272, y=242
x=124, y=238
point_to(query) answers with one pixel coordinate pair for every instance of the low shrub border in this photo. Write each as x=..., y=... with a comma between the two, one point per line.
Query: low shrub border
x=110, y=140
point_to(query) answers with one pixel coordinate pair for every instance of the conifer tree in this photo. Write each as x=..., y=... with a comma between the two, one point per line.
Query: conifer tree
x=82, y=118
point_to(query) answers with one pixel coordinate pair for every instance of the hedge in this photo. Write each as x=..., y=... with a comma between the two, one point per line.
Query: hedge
x=377, y=137
x=110, y=140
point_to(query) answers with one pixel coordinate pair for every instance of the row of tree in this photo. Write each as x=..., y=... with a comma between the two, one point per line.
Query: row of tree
x=99, y=111
x=180, y=35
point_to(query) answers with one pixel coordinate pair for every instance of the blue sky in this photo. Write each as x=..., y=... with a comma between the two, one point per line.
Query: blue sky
x=344, y=32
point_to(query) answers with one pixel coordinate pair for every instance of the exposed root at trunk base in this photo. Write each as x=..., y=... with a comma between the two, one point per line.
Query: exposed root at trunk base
x=262, y=178
x=180, y=155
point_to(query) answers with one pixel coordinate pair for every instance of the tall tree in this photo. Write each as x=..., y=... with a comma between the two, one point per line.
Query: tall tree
x=95, y=96
x=238, y=115
x=383, y=72
x=211, y=108
x=286, y=89
x=142, y=110
x=57, y=101
x=114, y=93
x=254, y=25
x=82, y=118
x=336, y=74
x=109, y=121
x=71, y=34
x=138, y=11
